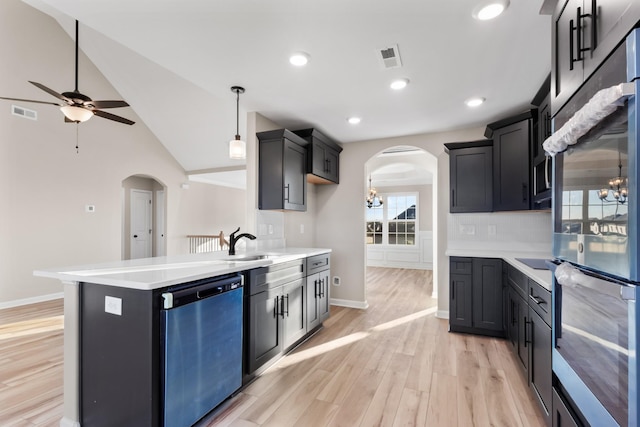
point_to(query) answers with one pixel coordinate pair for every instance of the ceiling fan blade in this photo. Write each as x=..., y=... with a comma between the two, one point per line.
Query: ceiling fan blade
x=108, y=104
x=51, y=92
x=30, y=100
x=113, y=117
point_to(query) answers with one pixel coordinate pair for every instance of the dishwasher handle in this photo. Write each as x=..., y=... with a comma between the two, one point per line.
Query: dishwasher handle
x=199, y=290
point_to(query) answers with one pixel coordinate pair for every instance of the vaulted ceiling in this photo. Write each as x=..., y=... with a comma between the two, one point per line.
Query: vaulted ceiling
x=174, y=61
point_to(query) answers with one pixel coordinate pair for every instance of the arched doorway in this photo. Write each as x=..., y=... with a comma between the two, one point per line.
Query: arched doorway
x=143, y=217
x=403, y=232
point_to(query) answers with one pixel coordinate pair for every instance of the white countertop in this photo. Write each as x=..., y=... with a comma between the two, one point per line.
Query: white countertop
x=159, y=272
x=543, y=277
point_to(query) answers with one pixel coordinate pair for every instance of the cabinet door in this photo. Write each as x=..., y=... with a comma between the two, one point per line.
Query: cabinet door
x=522, y=347
x=540, y=361
x=313, y=301
x=265, y=341
x=324, y=299
x=487, y=294
x=295, y=181
x=332, y=159
x=293, y=311
x=460, y=300
x=511, y=168
x=561, y=415
x=566, y=69
x=471, y=180
x=613, y=21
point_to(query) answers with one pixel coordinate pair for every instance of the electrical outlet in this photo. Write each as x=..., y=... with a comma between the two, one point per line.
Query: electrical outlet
x=113, y=305
x=90, y=208
x=336, y=281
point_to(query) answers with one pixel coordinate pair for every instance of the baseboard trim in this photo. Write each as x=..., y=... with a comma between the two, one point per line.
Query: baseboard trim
x=362, y=305
x=33, y=300
x=66, y=422
x=442, y=314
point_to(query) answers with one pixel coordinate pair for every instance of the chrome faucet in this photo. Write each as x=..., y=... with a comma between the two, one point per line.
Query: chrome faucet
x=233, y=240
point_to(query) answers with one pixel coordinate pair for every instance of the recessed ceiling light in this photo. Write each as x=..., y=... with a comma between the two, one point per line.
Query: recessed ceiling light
x=474, y=102
x=490, y=9
x=399, y=84
x=299, y=59
x=354, y=120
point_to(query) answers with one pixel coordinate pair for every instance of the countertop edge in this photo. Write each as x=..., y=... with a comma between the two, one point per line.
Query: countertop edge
x=159, y=272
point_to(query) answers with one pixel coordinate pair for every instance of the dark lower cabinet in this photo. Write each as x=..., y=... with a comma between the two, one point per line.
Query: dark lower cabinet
x=317, y=299
x=562, y=416
x=540, y=375
x=265, y=339
x=518, y=315
x=476, y=299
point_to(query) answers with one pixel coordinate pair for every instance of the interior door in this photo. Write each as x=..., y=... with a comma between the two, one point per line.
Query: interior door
x=140, y=231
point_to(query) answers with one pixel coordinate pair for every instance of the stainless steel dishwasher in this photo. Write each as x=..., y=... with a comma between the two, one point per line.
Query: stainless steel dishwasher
x=202, y=347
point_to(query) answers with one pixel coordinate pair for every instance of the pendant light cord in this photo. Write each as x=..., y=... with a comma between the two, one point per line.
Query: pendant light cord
x=237, y=112
x=76, y=55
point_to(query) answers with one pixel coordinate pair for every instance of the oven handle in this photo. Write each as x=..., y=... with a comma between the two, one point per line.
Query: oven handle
x=570, y=276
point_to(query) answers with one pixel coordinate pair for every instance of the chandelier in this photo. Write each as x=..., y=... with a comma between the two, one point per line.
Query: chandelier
x=373, y=200
x=618, y=186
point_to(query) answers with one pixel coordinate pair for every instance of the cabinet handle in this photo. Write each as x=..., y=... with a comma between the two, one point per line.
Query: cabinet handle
x=322, y=284
x=287, y=311
x=571, y=58
x=275, y=307
x=282, y=306
x=526, y=339
x=315, y=289
x=453, y=291
x=286, y=189
x=578, y=28
x=524, y=192
x=537, y=299
x=594, y=27
x=546, y=172
x=327, y=163
x=453, y=197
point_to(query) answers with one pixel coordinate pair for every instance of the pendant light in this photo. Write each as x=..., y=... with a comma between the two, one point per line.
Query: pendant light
x=237, y=147
x=373, y=199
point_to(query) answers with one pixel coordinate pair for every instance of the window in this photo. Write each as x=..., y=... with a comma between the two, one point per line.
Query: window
x=393, y=223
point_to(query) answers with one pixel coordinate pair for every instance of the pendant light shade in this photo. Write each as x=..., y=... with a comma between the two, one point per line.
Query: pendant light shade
x=76, y=114
x=237, y=147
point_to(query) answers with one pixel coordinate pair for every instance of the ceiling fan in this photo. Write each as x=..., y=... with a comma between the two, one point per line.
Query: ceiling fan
x=77, y=107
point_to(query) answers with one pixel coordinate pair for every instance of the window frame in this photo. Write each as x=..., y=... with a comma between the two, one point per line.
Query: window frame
x=386, y=220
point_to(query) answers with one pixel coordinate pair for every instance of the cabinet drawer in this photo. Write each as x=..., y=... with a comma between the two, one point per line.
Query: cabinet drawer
x=540, y=301
x=460, y=265
x=517, y=279
x=263, y=278
x=318, y=263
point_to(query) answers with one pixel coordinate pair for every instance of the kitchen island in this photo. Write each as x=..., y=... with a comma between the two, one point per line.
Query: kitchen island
x=142, y=280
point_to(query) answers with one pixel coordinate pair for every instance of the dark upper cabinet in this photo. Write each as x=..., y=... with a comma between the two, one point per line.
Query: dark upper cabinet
x=584, y=33
x=282, y=182
x=511, y=162
x=470, y=176
x=323, y=162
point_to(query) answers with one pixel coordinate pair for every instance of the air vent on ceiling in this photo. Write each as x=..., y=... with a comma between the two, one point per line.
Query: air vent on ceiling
x=24, y=112
x=390, y=56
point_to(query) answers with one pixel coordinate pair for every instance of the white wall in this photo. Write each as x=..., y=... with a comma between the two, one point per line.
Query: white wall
x=45, y=184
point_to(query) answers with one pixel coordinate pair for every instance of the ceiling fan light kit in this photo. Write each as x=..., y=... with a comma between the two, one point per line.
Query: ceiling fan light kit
x=237, y=147
x=76, y=106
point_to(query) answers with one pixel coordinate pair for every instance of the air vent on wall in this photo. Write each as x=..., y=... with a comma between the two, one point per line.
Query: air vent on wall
x=24, y=112
x=390, y=56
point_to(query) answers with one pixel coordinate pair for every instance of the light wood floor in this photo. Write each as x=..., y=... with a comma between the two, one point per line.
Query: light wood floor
x=394, y=364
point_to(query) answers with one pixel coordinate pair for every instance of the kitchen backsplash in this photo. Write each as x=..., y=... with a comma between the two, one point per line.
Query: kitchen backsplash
x=510, y=231
x=270, y=228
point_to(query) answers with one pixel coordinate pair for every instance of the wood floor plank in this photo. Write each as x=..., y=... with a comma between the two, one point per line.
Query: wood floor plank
x=472, y=407
x=358, y=399
x=442, y=411
x=413, y=408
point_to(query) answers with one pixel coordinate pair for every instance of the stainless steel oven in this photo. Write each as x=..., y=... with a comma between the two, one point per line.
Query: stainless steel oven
x=596, y=219
x=595, y=344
